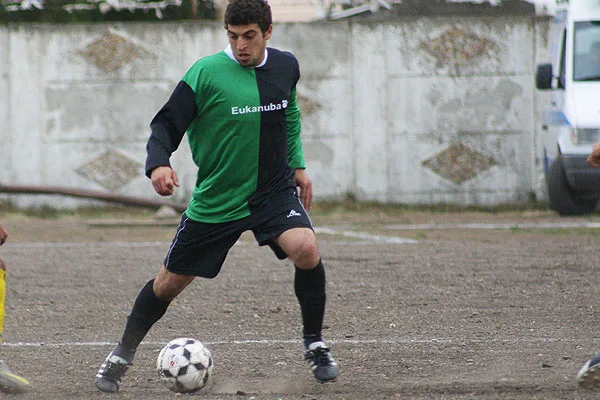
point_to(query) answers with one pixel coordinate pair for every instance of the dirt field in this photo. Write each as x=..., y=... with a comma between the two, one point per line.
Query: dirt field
x=422, y=305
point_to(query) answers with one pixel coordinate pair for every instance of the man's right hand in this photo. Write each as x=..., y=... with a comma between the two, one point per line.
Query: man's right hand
x=594, y=157
x=164, y=180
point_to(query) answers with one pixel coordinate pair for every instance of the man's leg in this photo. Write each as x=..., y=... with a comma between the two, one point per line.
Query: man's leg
x=149, y=307
x=300, y=245
x=9, y=382
x=309, y=286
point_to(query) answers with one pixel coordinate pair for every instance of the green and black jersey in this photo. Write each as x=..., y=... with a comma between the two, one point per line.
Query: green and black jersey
x=243, y=127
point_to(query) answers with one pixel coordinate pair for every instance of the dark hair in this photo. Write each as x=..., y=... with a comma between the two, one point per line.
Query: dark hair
x=246, y=12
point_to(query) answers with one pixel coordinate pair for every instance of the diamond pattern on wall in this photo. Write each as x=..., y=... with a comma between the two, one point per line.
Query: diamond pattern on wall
x=111, y=52
x=456, y=46
x=308, y=106
x=458, y=163
x=111, y=170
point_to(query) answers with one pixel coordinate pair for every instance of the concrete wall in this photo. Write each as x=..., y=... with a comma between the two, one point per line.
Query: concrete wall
x=417, y=110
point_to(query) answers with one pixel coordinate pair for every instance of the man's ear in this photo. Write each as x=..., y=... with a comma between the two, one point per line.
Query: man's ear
x=267, y=34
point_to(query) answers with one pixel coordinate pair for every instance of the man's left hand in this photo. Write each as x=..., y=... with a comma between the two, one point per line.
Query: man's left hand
x=304, y=183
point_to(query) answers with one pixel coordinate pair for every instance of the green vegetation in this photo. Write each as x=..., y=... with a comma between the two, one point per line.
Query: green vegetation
x=95, y=211
x=351, y=204
x=73, y=11
x=559, y=231
x=373, y=212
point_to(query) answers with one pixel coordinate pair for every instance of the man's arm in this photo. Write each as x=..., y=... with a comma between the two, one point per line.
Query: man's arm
x=296, y=152
x=594, y=157
x=169, y=126
x=305, y=184
x=294, y=127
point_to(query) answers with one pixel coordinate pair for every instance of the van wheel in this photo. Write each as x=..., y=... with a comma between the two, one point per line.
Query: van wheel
x=562, y=198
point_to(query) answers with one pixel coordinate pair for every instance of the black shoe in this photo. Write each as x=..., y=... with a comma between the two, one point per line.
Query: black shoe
x=589, y=375
x=324, y=367
x=111, y=373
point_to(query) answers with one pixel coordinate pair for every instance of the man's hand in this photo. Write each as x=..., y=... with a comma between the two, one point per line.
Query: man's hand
x=3, y=235
x=164, y=180
x=594, y=157
x=304, y=183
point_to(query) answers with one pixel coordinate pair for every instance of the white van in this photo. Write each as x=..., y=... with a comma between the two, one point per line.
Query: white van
x=572, y=115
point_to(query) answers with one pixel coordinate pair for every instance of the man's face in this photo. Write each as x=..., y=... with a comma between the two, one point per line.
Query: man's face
x=248, y=43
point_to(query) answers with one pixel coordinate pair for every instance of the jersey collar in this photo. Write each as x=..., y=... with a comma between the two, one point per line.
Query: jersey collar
x=229, y=53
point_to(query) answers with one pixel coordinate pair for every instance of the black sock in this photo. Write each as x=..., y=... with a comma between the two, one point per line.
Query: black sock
x=309, y=286
x=147, y=310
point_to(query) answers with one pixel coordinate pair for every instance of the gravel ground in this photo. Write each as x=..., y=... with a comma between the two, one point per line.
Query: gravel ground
x=421, y=305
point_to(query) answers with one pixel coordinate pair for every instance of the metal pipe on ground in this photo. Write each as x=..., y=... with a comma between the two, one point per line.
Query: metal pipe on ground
x=91, y=194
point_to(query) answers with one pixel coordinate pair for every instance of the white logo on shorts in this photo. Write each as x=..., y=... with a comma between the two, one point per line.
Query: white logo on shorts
x=294, y=213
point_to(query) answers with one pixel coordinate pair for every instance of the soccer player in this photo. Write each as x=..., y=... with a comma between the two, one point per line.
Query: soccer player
x=9, y=382
x=589, y=375
x=242, y=120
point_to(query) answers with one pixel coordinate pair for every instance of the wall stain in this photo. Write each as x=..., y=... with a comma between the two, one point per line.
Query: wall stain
x=457, y=48
x=111, y=52
x=307, y=105
x=459, y=163
x=483, y=109
x=111, y=170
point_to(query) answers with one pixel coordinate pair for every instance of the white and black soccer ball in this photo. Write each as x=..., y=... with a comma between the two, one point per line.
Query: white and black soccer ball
x=184, y=365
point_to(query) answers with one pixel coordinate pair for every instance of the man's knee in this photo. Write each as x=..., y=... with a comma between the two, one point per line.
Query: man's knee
x=306, y=255
x=168, y=285
x=308, y=249
x=300, y=244
x=2, y=265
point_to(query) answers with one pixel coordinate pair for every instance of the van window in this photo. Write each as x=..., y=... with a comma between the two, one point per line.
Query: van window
x=586, y=61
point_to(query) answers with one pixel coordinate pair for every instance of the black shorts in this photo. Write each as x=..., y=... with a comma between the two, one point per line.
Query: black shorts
x=200, y=248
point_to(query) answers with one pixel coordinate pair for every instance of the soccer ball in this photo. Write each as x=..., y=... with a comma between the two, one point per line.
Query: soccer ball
x=184, y=365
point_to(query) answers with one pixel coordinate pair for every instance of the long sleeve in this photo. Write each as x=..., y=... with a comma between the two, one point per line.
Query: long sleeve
x=169, y=125
x=294, y=127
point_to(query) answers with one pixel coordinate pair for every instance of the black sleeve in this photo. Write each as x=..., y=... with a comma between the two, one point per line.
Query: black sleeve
x=169, y=126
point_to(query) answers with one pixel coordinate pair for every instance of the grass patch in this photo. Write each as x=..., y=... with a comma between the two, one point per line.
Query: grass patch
x=352, y=205
x=47, y=212
x=559, y=231
x=319, y=208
